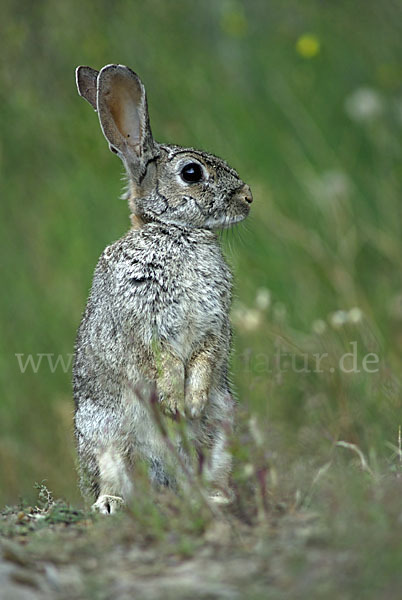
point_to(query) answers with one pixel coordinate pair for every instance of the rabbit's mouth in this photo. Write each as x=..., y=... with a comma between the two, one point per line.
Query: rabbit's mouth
x=224, y=221
x=232, y=220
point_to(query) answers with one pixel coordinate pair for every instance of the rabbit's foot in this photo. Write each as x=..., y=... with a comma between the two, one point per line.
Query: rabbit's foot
x=107, y=505
x=220, y=497
x=195, y=403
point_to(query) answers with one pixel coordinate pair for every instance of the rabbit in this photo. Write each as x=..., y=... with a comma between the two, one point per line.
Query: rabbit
x=157, y=319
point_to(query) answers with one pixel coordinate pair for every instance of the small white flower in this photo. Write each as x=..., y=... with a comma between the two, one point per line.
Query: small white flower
x=338, y=318
x=319, y=326
x=263, y=298
x=364, y=104
x=335, y=184
x=355, y=315
x=251, y=319
x=247, y=319
x=238, y=313
x=330, y=186
x=248, y=470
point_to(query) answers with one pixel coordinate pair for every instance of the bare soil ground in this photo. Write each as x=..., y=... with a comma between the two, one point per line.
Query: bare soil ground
x=59, y=552
x=64, y=553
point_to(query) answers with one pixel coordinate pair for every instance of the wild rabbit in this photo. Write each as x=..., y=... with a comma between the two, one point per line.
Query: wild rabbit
x=157, y=317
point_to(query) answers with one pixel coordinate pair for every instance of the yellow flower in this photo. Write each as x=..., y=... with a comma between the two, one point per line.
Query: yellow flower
x=308, y=45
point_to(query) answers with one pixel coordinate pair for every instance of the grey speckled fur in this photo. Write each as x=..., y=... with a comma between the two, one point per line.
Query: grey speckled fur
x=157, y=315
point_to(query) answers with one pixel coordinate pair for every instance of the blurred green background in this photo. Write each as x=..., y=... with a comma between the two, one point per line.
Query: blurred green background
x=305, y=101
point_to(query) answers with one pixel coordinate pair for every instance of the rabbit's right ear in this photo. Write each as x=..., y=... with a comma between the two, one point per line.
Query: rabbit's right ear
x=123, y=115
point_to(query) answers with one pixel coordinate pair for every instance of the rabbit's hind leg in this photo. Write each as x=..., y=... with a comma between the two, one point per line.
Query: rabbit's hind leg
x=219, y=464
x=219, y=469
x=115, y=484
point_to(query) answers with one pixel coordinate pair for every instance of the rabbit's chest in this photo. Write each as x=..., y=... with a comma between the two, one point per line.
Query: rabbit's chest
x=178, y=290
x=194, y=301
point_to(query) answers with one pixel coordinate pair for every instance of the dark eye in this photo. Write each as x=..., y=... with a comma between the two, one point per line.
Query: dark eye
x=192, y=173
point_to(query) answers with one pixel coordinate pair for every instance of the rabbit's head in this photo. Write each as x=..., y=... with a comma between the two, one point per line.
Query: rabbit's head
x=169, y=184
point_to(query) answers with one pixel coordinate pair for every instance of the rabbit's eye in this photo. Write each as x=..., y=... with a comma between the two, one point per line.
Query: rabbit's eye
x=192, y=173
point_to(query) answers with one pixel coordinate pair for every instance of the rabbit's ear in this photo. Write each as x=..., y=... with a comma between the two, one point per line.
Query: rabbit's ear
x=86, y=83
x=123, y=115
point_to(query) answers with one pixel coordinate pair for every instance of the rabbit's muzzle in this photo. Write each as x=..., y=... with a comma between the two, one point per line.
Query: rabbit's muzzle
x=245, y=193
x=241, y=199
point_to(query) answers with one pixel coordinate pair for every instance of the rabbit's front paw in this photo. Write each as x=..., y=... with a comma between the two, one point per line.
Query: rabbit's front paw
x=171, y=404
x=195, y=403
x=107, y=505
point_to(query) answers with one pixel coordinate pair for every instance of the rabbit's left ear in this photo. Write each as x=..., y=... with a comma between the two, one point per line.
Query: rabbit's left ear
x=123, y=115
x=85, y=78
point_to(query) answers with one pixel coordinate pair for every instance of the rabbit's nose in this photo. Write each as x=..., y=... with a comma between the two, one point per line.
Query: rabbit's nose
x=245, y=192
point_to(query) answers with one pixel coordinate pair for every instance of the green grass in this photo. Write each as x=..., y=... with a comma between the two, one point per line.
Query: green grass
x=304, y=100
